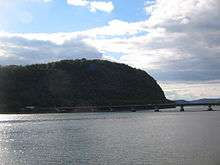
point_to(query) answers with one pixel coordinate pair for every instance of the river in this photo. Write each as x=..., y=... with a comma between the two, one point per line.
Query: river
x=130, y=138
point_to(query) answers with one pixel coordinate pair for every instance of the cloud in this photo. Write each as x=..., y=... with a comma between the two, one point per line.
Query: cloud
x=174, y=14
x=93, y=6
x=78, y=2
x=191, y=29
x=179, y=43
x=191, y=90
x=165, y=45
x=115, y=28
x=102, y=6
x=20, y=50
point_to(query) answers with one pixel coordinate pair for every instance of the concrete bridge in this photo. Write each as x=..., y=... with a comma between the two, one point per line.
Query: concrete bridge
x=209, y=106
x=158, y=107
x=134, y=108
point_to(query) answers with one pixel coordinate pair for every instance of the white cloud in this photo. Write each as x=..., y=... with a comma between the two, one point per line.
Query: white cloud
x=115, y=28
x=102, y=6
x=173, y=12
x=93, y=6
x=20, y=50
x=78, y=2
x=180, y=42
x=191, y=90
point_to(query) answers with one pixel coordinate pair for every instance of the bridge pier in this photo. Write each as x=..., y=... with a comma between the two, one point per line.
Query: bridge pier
x=182, y=108
x=133, y=109
x=210, y=108
x=156, y=109
x=110, y=109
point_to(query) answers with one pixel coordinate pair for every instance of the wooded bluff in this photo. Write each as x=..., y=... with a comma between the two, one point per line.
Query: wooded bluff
x=76, y=83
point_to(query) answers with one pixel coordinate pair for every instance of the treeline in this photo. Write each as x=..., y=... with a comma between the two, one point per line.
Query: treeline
x=75, y=83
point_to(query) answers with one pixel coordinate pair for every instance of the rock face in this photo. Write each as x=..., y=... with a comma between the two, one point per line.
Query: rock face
x=76, y=83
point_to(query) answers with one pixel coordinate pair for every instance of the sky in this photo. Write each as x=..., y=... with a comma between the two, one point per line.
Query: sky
x=175, y=41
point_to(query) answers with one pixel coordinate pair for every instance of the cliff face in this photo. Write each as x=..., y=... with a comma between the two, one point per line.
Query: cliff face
x=76, y=83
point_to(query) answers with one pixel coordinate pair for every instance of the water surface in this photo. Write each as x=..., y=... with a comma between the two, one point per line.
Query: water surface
x=164, y=138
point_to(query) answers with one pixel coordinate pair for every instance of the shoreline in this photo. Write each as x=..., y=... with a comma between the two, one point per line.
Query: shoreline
x=84, y=109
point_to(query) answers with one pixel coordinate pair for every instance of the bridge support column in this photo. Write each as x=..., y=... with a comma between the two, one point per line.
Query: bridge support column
x=133, y=109
x=182, y=108
x=210, y=108
x=110, y=109
x=156, y=109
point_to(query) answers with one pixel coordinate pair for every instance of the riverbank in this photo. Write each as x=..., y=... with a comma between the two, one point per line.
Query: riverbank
x=81, y=109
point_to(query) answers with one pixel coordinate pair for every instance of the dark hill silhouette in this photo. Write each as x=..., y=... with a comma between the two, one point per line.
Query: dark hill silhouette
x=76, y=83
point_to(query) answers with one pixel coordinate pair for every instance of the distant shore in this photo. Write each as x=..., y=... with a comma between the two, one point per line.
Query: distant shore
x=86, y=109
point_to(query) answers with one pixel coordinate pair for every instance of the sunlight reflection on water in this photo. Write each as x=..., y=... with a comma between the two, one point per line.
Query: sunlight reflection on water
x=168, y=137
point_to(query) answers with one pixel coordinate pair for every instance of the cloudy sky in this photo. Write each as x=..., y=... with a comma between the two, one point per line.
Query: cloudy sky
x=176, y=41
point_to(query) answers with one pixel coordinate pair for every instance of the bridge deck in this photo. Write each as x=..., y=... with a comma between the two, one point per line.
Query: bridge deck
x=198, y=104
x=156, y=107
